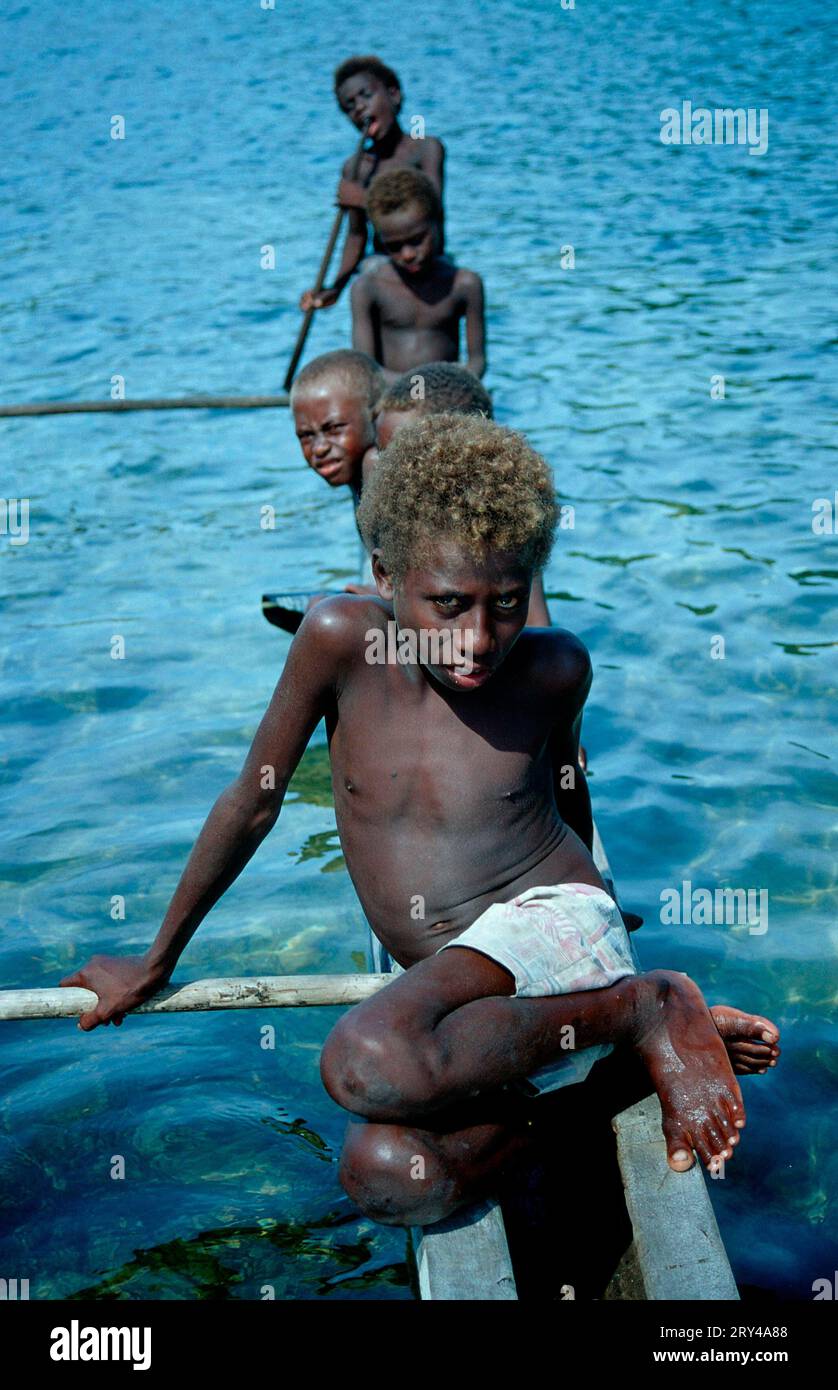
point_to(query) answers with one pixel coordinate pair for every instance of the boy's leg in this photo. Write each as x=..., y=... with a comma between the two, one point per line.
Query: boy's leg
x=412, y=1175
x=409, y=1175
x=447, y=1030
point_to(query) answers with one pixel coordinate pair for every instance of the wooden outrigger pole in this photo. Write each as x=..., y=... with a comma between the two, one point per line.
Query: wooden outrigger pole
x=241, y=992
x=152, y=403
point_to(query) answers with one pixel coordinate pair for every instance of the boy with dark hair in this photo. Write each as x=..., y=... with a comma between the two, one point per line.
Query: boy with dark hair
x=367, y=89
x=435, y=388
x=332, y=400
x=468, y=845
x=408, y=310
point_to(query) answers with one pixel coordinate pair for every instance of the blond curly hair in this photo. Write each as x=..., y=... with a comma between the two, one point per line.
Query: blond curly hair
x=460, y=478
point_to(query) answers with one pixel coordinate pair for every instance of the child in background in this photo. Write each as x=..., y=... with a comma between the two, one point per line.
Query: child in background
x=365, y=89
x=435, y=388
x=408, y=309
x=332, y=401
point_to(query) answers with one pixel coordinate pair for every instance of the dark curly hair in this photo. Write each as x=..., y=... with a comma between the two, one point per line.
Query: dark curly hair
x=393, y=191
x=460, y=478
x=437, y=388
x=365, y=63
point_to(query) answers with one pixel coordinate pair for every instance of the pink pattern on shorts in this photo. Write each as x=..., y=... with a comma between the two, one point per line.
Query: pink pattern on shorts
x=554, y=940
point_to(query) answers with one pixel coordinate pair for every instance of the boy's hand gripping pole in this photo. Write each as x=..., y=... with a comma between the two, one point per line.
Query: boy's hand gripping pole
x=324, y=268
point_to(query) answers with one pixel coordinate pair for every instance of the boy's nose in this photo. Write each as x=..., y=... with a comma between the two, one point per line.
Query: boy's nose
x=483, y=637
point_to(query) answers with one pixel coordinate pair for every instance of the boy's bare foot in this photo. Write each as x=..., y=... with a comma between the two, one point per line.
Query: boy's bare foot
x=680, y=1045
x=750, y=1039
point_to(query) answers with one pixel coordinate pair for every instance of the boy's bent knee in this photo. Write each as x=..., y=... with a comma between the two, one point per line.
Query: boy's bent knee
x=388, y=1079
x=393, y=1179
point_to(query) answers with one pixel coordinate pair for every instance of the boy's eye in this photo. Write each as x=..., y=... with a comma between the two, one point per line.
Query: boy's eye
x=509, y=602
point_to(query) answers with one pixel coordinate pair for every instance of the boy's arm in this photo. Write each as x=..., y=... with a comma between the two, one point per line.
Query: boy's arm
x=352, y=196
x=353, y=251
x=569, y=781
x=475, y=322
x=363, y=322
x=238, y=822
x=433, y=161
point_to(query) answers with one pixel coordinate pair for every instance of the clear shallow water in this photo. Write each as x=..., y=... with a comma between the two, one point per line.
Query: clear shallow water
x=693, y=520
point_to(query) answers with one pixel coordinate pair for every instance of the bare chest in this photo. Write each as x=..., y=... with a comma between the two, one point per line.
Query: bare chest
x=399, y=307
x=429, y=764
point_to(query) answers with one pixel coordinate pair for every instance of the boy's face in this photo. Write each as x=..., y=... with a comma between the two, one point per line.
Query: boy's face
x=365, y=96
x=335, y=429
x=484, y=601
x=409, y=237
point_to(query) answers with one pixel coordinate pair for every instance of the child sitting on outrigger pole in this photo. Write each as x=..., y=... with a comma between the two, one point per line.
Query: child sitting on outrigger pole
x=469, y=845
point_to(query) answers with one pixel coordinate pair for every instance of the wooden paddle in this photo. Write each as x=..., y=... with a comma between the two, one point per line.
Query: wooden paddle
x=324, y=268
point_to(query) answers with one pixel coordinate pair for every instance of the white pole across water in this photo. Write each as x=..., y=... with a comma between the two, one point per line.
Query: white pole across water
x=243, y=992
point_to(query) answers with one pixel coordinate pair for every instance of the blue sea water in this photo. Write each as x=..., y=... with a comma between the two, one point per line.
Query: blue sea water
x=140, y=258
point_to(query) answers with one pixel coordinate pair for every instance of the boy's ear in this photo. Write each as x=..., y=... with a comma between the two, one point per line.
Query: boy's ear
x=383, y=580
x=395, y=95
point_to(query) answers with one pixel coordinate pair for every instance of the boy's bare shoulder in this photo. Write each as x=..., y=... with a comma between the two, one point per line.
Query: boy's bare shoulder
x=335, y=628
x=373, y=282
x=558, y=659
x=468, y=282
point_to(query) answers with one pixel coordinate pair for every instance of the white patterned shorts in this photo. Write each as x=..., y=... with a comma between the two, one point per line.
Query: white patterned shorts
x=556, y=940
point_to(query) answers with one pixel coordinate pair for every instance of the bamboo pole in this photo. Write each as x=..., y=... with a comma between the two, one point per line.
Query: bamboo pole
x=238, y=992
x=152, y=403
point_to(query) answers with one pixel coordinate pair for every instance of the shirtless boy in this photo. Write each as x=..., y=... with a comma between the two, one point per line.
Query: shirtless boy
x=439, y=388
x=434, y=388
x=368, y=90
x=332, y=400
x=408, y=309
x=448, y=799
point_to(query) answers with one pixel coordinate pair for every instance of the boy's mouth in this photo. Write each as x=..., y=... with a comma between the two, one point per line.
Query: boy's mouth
x=330, y=468
x=478, y=675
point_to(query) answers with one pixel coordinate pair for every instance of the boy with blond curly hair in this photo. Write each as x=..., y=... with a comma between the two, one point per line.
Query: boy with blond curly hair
x=469, y=847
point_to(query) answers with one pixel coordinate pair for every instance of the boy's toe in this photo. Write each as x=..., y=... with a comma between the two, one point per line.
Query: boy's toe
x=678, y=1146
